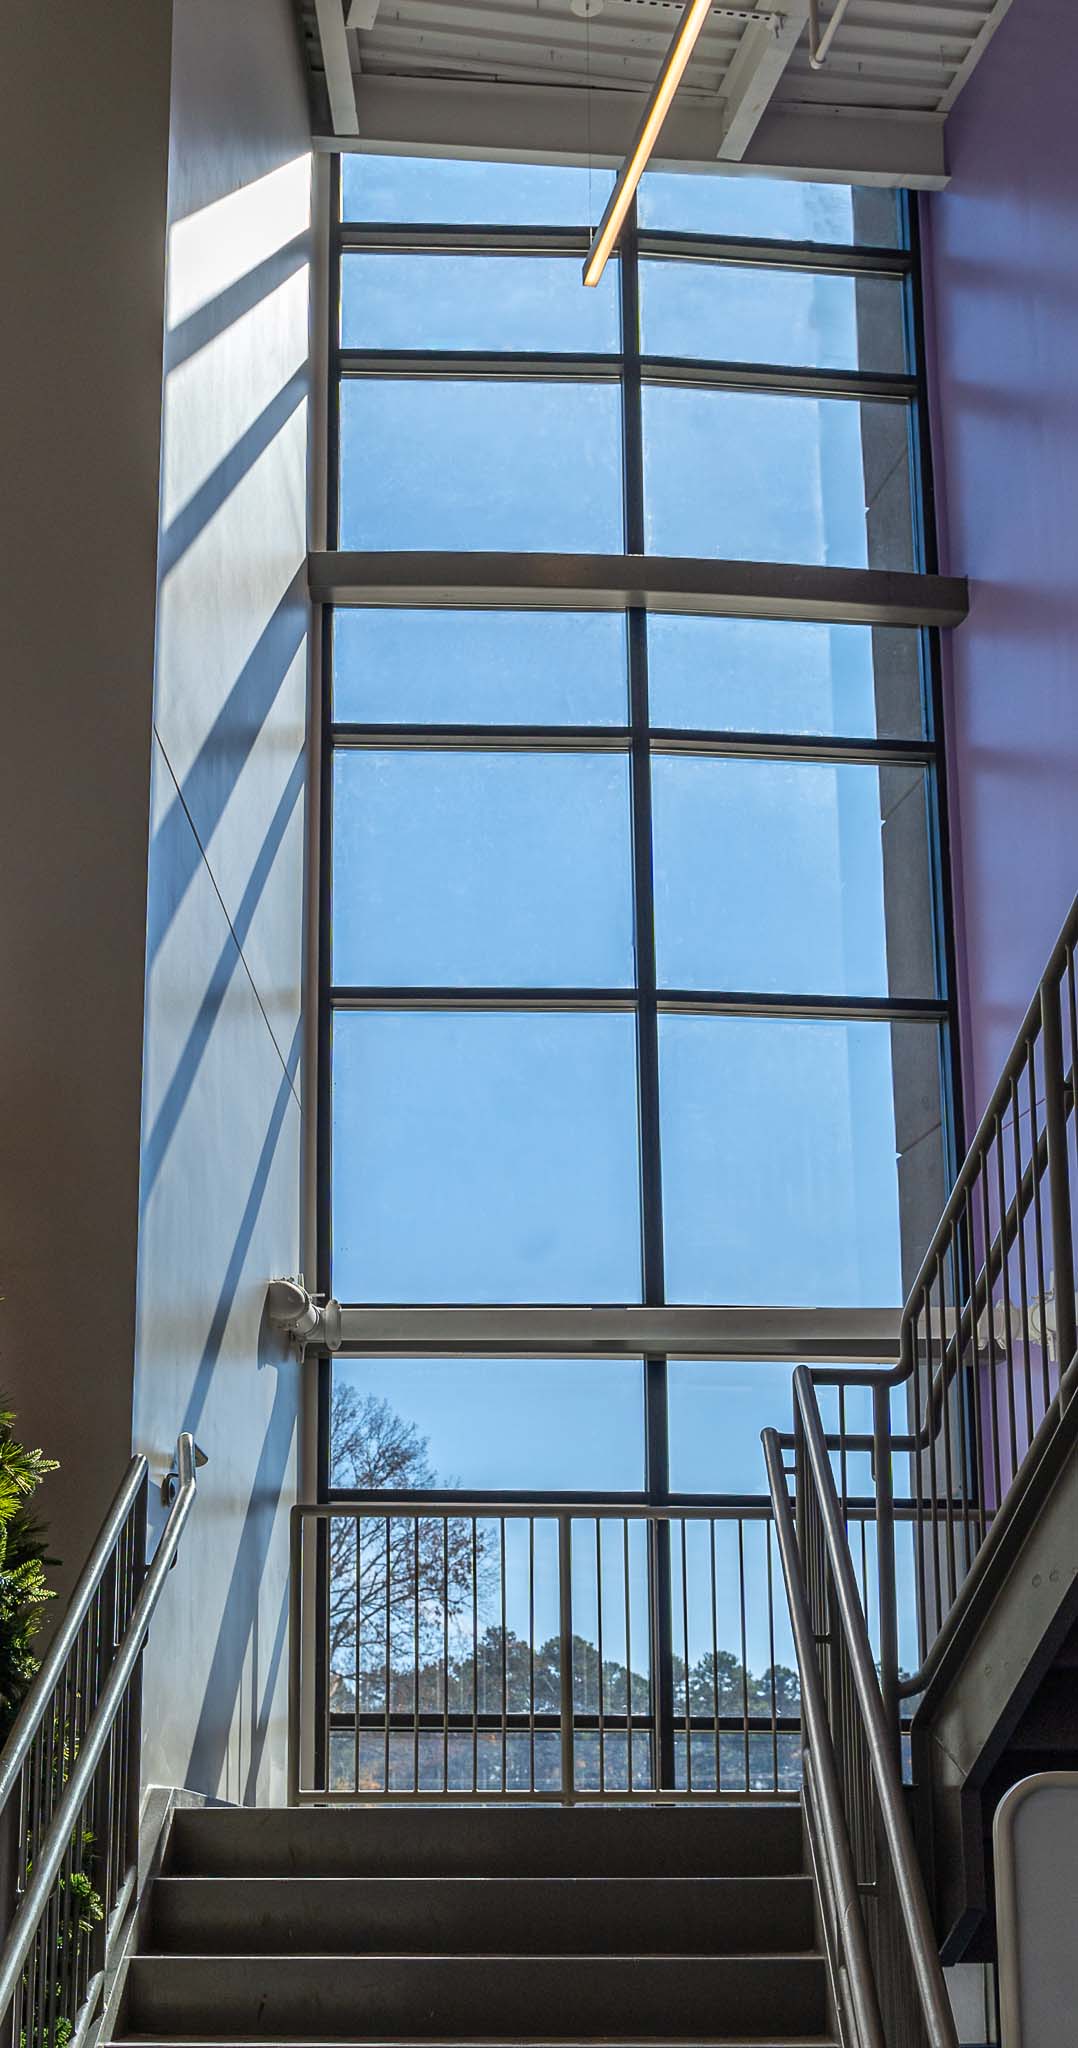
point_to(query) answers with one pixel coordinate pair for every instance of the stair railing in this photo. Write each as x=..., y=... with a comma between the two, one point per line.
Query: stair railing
x=70, y=1774
x=888, y=1985
x=987, y=1364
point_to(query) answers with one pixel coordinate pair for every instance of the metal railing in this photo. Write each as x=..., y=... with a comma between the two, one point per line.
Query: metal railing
x=70, y=1775
x=885, y=1968
x=540, y=1650
x=987, y=1360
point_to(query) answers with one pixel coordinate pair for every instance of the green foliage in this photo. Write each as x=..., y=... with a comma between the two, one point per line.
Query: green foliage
x=24, y=1591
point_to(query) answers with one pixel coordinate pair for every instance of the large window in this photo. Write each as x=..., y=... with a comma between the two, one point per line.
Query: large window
x=632, y=979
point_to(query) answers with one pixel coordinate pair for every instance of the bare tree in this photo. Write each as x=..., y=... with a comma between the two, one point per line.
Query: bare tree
x=395, y=1581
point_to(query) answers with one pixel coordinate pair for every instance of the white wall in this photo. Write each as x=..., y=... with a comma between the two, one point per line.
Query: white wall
x=221, y=1158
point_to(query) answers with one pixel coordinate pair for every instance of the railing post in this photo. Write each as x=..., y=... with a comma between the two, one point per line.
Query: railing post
x=1059, y=1204
x=885, y=1555
x=133, y=1786
x=565, y=1622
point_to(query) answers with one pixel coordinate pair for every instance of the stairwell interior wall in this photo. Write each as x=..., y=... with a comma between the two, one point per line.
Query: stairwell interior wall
x=221, y=1130
x=84, y=99
x=1002, y=301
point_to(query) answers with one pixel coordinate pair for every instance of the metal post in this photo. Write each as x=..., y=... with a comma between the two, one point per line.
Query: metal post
x=565, y=1614
x=1055, y=1127
x=134, y=1721
x=885, y=1553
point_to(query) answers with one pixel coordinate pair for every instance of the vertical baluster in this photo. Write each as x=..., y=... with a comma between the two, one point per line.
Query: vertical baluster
x=1023, y=1278
x=962, y=1456
x=685, y=1646
x=977, y=1447
x=387, y=1760
x=1005, y=1280
x=628, y=1656
x=565, y=1630
x=445, y=1653
x=357, y=1660
x=769, y=1526
x=599, y=1633
x=1038, y=1223
x=745, y=1714
x=715, y=1704
x=531, y=1648
x=475, y=1654
x=504, y=1658
x=989, y=1313
x=945, y=1415
x=1055, y=1126
x=415, y=1657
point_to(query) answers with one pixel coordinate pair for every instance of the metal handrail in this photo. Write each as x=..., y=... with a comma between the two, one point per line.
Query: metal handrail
x=878, y=1734
x=844, y=1928
x=53, y=1849
x=36, y=1704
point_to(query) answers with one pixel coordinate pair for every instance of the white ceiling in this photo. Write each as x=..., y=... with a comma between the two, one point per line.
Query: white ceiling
x=531, y=77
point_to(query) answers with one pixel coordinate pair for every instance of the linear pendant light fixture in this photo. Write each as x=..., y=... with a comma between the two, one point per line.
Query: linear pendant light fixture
x=621, y=198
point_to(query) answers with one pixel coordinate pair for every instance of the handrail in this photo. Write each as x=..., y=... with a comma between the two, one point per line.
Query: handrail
x=898, y=1834
x=55, y=1846
x=35, y=1706
x=844, y=1928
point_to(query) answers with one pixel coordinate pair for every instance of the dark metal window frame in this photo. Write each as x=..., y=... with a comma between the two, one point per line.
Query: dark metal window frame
x=637, y=739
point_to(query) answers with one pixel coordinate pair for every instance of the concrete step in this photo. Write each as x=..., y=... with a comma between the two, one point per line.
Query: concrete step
x=410, y=1998
x=473, y=1915
x=486, y=1841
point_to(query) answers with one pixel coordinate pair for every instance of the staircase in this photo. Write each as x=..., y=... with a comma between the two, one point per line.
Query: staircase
x=479, y=1924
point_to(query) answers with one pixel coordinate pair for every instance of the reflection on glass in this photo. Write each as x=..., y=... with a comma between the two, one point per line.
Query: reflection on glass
x=447, y=191
x=767, y=208
x=489, y=303
x=753, y=476
x=485, y=1157
x=479, y=668
x=731, y=314
x=769, y=876
x=459, y=869
x=445, y=464
x=784, y=675
x=548, y=1423
x=780, y=1183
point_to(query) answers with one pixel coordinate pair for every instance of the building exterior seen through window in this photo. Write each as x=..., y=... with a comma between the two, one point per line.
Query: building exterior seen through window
x=632, y=937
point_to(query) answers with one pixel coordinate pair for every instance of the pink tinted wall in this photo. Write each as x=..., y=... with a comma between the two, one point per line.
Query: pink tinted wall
x=1001, y=272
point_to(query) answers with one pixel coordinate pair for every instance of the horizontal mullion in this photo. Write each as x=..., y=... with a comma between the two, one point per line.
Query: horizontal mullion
x=483, y=1504
x=671, y=1002
x=539, y=739
x=406, y=238
x=616, y=739
x=473, y=366
x=738, y=1003
x=704, y=586
x=786, y=746
x=836, y=258
x=399, y=238
x=784, y=380
x=554, y=366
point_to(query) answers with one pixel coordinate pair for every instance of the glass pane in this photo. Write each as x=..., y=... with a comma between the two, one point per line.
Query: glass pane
x=751, y=476
x=454, y=869
x=546, y=1423
x=768, y=208
x=780, y=1180
x=476, y=302
x=450, y=191
x=446, y=464
x=485, y=1157
x=784, y=675
x=733, y=314
x=769, y=875
x=479, y=668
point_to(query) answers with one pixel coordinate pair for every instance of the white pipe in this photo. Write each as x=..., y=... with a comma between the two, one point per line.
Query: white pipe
x=819, y=45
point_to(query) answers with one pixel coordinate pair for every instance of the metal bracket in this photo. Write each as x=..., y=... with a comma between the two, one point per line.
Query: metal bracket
x=312, y=1321
x=170, y=1484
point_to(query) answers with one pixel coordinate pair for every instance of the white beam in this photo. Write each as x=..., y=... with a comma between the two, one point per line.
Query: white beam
x=340, y=84
x=551, y=124
x=763, y=53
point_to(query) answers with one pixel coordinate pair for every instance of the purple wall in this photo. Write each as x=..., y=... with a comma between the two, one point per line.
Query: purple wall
x=1001, y=258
